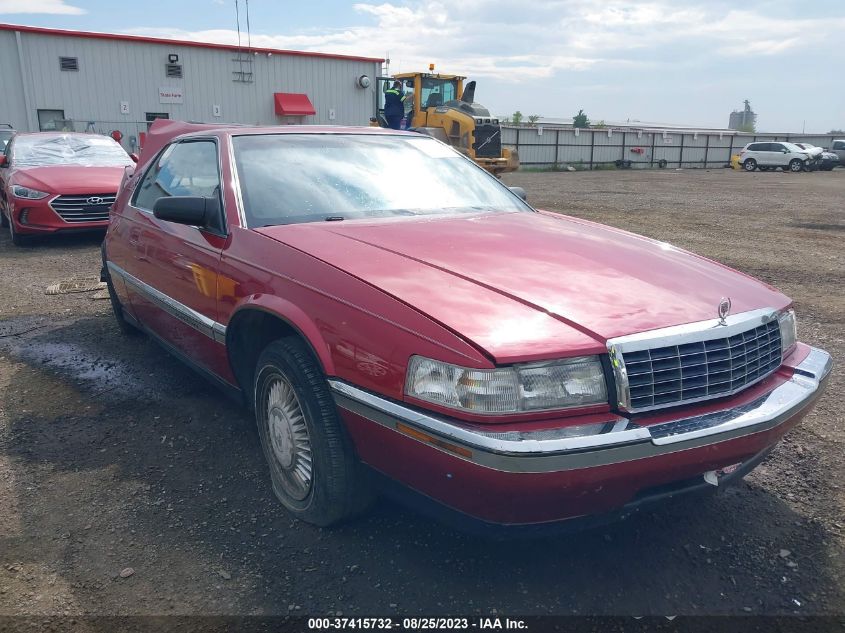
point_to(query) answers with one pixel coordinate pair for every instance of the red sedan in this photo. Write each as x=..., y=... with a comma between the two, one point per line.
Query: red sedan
x=394, y=314
x=53, y=182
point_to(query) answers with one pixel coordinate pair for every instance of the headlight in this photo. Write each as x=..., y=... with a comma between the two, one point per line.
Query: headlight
x=788, y=330
x=20, y=191
x=521, y=388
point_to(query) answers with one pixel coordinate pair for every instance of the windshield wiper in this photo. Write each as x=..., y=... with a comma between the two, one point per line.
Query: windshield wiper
x=335, y=218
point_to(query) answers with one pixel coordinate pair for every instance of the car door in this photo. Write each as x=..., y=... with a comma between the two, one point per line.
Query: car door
x=780, y=154
x=172, y=268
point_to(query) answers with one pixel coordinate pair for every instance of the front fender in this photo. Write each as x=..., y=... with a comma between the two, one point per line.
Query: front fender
x=295, y=317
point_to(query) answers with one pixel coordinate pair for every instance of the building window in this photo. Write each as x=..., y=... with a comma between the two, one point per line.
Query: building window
x=152, y=116
x=174, y=71
x=53, y=120
x=69, y=63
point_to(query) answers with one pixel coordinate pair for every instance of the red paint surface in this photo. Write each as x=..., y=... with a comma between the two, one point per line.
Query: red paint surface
x=55, y=181
x=470, y=290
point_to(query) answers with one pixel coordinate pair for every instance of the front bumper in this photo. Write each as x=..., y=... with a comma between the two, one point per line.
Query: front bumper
x=531, y=477
x=37, y=217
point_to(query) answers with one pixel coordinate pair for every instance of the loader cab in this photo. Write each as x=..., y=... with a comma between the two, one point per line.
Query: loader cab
x=435, y=92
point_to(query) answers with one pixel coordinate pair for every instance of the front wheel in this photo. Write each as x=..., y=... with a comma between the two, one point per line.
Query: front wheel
x=315, y=473
x=749, y=165
x=796, y=165
x=17, y=238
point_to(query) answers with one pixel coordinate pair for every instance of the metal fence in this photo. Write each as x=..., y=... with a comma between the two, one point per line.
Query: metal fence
x=594, y=148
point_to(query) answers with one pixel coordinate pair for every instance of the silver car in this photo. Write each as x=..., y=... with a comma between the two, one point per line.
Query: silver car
x=838, y=148
x=772, y=154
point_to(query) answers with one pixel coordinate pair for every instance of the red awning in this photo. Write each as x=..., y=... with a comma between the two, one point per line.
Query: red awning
x=293, y=104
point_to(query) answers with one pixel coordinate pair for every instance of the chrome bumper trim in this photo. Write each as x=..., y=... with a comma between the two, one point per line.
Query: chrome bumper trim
x=619, y=441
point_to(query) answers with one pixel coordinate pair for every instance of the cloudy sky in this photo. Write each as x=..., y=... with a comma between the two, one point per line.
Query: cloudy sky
x=655, y=60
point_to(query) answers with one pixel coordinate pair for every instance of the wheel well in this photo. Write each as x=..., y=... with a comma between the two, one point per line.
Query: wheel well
x=249, y=332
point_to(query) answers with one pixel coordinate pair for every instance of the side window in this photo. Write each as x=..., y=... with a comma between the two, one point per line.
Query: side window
x=776, y=147
x=839, y=145
x=754, y=147
x=183, y=169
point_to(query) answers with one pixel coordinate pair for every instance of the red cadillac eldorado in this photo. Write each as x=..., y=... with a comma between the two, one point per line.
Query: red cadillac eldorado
x=393, y=313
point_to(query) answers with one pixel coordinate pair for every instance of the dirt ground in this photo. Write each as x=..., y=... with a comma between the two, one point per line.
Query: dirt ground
x=115, y=456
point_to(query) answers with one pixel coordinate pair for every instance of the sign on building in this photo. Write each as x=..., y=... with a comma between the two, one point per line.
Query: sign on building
x=170, y=95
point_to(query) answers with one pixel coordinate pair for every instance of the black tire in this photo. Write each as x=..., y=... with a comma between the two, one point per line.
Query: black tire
x=750, y=164
x=796, y=165
x=293, y=397
x=4, y=222
x=763, y=168
x=17, y=238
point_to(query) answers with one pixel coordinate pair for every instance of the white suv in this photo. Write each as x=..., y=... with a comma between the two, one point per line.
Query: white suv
x=773, y=154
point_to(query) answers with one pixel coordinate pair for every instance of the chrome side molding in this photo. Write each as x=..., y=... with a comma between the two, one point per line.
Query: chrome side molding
x=201, y=323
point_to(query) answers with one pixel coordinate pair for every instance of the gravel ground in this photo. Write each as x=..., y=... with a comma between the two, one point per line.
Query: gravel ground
x=115, y=458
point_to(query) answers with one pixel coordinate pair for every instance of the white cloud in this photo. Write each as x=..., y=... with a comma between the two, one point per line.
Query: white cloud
x=57, y=7
x=515, y=42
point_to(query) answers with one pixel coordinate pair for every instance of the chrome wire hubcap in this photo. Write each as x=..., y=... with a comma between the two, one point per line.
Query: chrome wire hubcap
x=289, y=438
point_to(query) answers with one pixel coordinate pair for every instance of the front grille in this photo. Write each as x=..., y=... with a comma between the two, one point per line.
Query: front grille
x=488, y=141
x=92, y=207
x=665, y=376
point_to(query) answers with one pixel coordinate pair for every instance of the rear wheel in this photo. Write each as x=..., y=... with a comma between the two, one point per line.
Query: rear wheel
x=796, y=165
x=117, y=308
x=313, y=467
x=749, y=165
x=125, y=326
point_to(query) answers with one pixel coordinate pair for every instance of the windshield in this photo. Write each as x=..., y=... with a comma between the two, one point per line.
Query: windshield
x=293, y=178
x=436, y=92
x=41, y=150
x=792, y=147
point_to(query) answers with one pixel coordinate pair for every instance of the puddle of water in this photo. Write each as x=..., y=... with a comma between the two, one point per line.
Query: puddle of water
x=78, y=363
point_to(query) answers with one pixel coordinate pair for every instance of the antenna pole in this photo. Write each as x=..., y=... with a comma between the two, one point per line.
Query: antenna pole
x=248, y=31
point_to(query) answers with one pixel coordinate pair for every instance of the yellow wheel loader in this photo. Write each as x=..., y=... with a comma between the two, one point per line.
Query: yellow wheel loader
x=439, y=106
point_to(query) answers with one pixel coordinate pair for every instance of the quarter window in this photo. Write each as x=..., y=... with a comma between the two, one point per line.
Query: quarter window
x=183, y=169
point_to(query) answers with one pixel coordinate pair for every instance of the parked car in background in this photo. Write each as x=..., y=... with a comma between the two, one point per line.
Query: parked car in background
x=390, y=310
x=6, y=134
x=828, y=161
x=770, y=154
x=815, y=154
x=53, y=182
x=838, y=148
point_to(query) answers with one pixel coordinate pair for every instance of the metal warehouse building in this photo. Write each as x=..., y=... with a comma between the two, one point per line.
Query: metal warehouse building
x=74, y=80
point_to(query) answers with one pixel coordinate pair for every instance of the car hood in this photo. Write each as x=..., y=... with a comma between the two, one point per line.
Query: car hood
x=69, y=179
x=526, y=286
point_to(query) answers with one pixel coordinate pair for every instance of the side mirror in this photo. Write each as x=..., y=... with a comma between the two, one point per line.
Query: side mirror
x=190, y=210
x=134, y=157
x=3, y=162
x=520, y=192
